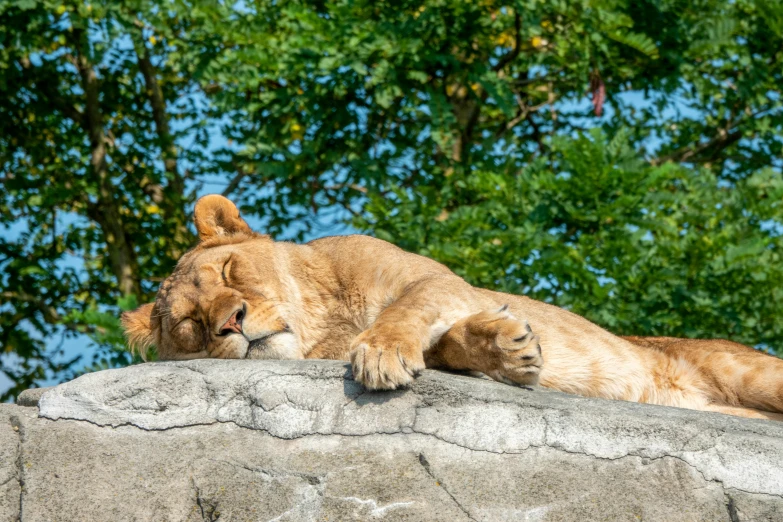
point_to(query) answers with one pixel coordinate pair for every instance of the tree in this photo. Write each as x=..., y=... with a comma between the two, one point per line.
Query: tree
x=470, y=119
x=334, y=100
x=664, y=250
x=461, y=118
x=92, y=109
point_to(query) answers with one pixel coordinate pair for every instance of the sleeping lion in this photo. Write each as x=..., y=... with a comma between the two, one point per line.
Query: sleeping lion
x=240, y=295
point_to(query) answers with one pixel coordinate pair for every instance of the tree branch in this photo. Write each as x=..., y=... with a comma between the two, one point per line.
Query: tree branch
x=49, y=312
x=511, y=55
x=719, y=143
x=171, y=198
x=351, y=186
x=160, y=116
x=523, y=112
x=235, y=181
x=726, y=137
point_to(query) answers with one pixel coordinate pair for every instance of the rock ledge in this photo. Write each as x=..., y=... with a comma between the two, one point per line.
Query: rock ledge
x=300, y=440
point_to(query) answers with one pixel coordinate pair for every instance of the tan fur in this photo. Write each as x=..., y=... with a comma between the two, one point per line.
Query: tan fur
x=391, y=313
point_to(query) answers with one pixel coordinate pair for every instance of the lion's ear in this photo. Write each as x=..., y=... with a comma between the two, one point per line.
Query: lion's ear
x=217, y=216
x=138, y=329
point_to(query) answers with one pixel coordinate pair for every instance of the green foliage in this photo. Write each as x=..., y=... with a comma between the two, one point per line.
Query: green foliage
x=91, y=115
x=662, y=250
x=458, y=129
x=106, y=334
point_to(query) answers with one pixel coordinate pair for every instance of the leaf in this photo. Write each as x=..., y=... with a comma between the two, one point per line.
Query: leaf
x=26, y=5
x=748, y=248
x=641, y=42
x=500, y=94
x=772, y=14
x=419, y=76
x=618, y=143
x=126, y=303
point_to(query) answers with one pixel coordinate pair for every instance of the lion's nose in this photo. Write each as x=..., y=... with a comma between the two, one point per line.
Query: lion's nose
x=234, y=323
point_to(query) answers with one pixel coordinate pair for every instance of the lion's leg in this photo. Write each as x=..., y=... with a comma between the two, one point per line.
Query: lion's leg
x=752, y=380
x=733, y=374
x=494, y=343
x=391, y=351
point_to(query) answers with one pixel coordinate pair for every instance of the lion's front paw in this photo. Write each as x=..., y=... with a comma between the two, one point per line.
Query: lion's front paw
x=515, y=349
x=385, y=362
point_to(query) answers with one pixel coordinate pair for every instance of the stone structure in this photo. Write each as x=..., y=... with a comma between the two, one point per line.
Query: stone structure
x=300, y=440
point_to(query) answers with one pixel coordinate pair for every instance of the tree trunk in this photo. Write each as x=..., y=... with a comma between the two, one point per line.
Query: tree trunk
x=172, y=203
x=106, y=210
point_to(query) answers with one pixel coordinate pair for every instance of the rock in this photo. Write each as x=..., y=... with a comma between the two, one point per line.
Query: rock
x=300, y=440
x=31, y=397
x=10, y=479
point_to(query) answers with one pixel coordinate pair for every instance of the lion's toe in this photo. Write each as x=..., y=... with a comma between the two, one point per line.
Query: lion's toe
x=381, y=366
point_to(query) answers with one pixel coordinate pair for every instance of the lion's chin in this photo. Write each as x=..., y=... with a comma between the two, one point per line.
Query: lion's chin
x=278, y=346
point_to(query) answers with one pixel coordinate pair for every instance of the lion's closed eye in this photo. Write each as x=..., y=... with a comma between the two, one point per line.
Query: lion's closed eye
x=186, y=326
x=190, y=332
x=183, y=322
x=226, y=271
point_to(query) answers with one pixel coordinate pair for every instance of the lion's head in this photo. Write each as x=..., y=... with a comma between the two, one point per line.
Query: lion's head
x=225, y=299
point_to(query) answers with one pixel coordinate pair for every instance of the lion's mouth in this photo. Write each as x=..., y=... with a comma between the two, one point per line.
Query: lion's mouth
x=258, y=345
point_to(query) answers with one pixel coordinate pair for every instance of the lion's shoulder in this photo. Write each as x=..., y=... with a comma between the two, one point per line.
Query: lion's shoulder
x=374, y=264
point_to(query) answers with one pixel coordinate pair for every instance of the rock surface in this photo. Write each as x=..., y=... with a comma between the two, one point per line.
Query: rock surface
x=300, y=440
x=31, y=397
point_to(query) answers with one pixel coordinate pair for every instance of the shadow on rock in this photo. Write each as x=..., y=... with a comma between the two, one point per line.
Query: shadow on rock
x=357, y=394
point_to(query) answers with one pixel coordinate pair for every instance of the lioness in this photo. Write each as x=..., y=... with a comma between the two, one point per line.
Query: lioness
x=240, y=295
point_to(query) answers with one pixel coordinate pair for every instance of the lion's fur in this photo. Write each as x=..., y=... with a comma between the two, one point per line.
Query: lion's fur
x=391, y=312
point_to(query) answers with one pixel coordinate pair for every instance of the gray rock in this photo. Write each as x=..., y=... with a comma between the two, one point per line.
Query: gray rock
x=300, y=440
x=10, y=477
x=31, y=397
